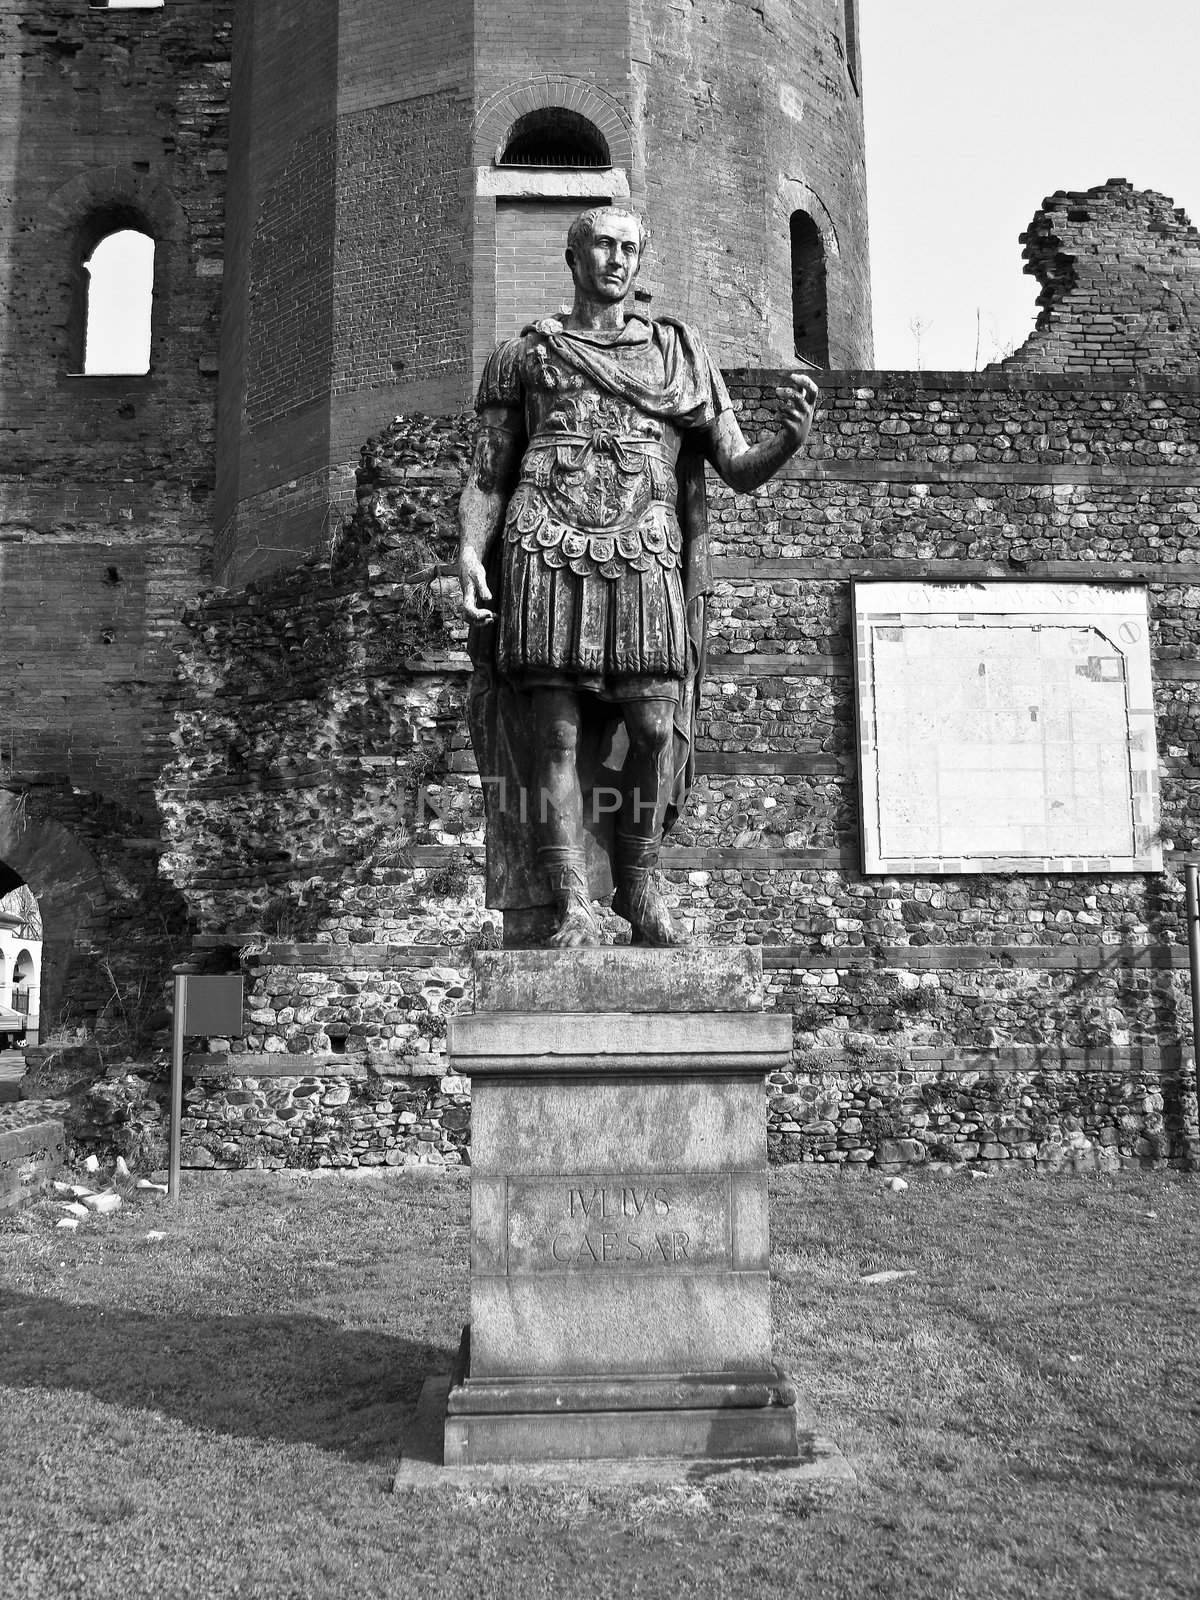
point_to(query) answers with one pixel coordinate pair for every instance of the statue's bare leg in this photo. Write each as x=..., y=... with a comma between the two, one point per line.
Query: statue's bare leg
x=559, y=804
x=650, y=726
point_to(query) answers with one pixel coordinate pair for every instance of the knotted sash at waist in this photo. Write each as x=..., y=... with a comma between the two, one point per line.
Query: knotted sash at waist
x=630, y=452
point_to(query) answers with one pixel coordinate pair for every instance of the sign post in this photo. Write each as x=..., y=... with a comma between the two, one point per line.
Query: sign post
x=204, y=1005
x=1192, y=879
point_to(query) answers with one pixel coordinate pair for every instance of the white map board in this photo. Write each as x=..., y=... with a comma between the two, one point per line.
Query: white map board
x=1005, y=727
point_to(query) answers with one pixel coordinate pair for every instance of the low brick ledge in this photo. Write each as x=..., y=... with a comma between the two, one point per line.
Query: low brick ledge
x=776, y=958
x=285, y=1064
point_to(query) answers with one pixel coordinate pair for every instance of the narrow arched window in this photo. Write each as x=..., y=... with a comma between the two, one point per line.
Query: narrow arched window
x=24, y=992
x=118, y=301
x=850, y=15
x=552, y=136
x=810, y=322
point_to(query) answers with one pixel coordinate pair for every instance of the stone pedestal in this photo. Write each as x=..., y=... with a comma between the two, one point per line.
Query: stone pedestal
x=619, y=1292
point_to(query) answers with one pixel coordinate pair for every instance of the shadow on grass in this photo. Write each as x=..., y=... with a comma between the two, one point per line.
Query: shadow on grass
x=293, y=1378
x=1105, y=1435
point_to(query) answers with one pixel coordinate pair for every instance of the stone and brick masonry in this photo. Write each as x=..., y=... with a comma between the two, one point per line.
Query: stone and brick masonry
x=985, y=1019
x=312, y=711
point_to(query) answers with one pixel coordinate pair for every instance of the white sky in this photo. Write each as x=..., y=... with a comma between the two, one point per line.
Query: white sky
x=978, y=109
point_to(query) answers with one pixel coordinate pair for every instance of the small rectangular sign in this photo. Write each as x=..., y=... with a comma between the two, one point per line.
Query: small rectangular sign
x=643, y=1223
x=212, y=1005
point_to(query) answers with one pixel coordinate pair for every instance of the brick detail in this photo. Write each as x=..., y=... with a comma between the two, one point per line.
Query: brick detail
x=532, y=279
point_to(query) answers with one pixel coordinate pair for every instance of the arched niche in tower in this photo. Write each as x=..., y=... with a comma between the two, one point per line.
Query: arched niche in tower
x=80, y=216
x=554, y=137
x=544, y=151
x=810, y=301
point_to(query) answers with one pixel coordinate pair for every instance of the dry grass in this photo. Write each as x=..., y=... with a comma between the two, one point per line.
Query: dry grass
x=217, y=1413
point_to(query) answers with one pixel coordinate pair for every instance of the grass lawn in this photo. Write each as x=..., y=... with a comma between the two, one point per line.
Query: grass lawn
x=216, y=1413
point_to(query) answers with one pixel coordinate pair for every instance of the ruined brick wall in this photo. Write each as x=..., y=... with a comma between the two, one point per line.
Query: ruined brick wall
x=979, y=1018
x=105, y=482
x=1120, y=274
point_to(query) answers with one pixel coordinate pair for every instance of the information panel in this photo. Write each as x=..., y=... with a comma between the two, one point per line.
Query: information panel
x=1005, y=727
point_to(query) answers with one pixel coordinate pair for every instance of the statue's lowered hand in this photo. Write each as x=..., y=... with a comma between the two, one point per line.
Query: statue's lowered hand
x=474, y=588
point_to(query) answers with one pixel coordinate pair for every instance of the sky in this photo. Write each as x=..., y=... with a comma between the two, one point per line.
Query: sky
x=978, y=109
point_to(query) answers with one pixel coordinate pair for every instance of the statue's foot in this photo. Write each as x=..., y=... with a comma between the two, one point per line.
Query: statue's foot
x=577, y=930
x=645, y=910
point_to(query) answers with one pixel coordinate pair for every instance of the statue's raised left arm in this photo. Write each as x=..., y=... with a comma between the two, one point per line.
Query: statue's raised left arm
x=744, y=467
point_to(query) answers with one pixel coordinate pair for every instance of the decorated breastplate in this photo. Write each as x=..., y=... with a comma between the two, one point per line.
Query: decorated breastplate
x=597, y=491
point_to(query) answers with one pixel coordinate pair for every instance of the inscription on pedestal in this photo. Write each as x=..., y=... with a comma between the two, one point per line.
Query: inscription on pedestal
x=644, y=1222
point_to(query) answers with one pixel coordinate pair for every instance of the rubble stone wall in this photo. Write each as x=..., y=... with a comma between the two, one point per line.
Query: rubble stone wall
x=321, y=744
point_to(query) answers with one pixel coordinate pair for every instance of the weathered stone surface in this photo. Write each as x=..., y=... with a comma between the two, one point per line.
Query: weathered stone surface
x=424, y=1466
x=616, y=1041
x=618, y=978
x=673, y=1390
x=727, y=1433
x=32, y=1149
x=647, y=1125
x=613, y=1322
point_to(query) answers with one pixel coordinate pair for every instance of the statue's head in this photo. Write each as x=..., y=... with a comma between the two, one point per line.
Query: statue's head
x=604, y=251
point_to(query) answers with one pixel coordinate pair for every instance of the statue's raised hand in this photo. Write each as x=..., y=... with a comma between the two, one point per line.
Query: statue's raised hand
x=797, y=403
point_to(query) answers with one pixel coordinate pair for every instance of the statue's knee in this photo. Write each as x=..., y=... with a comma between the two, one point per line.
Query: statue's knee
x=651, y=734
x=560, y=740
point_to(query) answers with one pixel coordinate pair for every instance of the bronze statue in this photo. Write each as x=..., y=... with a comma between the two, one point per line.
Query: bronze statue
x=583, y=521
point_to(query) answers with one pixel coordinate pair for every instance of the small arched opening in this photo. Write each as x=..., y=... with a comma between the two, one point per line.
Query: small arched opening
x=54, y=885
x=112, y=311
x=532, y=280
x=27, y=989
x=553, y=136
x=20, y=963
x=810, y=315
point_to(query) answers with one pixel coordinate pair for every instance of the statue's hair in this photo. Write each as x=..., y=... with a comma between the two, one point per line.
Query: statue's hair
x=583, y=230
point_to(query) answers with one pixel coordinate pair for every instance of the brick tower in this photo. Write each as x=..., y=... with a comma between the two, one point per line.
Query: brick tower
x=400, y=180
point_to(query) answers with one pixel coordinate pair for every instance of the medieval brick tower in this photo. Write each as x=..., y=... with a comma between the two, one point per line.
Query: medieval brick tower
x=402, y=175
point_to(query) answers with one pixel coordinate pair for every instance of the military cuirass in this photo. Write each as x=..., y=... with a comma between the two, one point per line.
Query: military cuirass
x=597, y=491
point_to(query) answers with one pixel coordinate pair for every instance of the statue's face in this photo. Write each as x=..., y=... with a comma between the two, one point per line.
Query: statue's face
x=605, y=268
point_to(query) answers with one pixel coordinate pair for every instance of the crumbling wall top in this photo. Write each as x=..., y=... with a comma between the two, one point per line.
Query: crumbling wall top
x=1120, y=274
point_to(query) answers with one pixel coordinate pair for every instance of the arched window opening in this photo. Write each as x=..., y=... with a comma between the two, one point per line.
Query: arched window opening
x=20, y=956
x=555, y=137
x=850, y=17
x=118, y=295
x=810, y=324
